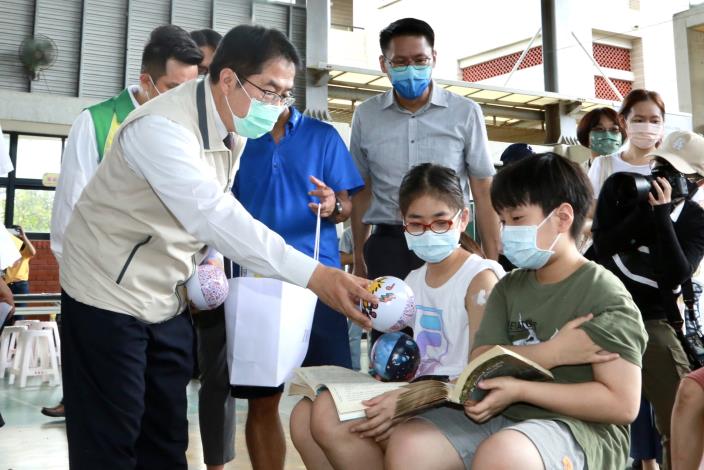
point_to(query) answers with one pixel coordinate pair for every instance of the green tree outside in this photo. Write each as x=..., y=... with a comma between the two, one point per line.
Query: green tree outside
x=32, y=209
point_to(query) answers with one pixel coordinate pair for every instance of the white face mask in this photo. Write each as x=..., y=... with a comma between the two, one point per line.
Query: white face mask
x=154, y=85
x=645, y=135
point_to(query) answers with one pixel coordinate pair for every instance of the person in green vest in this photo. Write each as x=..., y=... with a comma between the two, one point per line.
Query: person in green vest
x=170, y=58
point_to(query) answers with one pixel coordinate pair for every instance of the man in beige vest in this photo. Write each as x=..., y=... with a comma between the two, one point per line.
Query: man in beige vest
x=161, y=195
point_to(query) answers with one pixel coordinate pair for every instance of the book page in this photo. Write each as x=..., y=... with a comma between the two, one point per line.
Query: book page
x=348, y=397
x=316, y=377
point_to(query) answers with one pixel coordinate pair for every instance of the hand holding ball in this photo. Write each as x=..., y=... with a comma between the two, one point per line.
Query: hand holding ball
x=396, y=308
x=208, y=287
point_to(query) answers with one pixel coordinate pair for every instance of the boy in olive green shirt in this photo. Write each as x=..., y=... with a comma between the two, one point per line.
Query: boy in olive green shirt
x=568, y=314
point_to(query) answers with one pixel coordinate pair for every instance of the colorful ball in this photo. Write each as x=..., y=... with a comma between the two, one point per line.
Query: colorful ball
x=396, y=308
x=208, y=287
x=395, y=357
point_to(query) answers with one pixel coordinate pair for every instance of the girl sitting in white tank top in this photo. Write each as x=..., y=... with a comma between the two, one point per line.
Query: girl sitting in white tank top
x=450, y=292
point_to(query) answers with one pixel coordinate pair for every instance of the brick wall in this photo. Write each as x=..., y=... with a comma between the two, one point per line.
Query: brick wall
x=502, y=65
x=43, y=270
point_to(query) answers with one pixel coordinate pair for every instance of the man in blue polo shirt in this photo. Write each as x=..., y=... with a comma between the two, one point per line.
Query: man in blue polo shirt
x=282, y=178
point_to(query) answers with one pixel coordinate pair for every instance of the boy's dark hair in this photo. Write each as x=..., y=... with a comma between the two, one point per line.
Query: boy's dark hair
x=168, y=42
x=206, y=37
x=435, y=180
x=246, y=48
x=546, y=180
x=590, y=120
x=406, y=27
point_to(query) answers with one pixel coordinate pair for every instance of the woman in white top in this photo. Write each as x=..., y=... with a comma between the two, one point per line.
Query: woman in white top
x=643, y=113
x=450, y=291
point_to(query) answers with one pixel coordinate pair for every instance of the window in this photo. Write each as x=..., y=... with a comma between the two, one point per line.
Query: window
x=24, y=200
x=33, y=209
x=37, y=155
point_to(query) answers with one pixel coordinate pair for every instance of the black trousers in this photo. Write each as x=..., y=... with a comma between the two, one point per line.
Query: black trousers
x=386, y=254
x=125, y=388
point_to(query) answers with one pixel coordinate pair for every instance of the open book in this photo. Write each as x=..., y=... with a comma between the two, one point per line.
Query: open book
x=347, y=387
x=496, y=362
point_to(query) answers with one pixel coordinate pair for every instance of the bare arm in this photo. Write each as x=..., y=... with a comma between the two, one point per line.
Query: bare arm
x=612, y=397
x=487, y=219
x=28, y=250
x=687, y=421
x=570, y=346
x=7, y=297
x=360, y=230
x=474, y=302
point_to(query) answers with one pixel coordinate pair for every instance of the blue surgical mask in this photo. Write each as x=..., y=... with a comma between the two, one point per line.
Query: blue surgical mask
x=520, y=244
x=433, y=247
x=411, y=82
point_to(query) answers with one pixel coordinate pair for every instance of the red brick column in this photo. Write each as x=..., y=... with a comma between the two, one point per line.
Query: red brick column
x=43, y=270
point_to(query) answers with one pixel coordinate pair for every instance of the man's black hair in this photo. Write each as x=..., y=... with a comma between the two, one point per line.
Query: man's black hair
x=546, y=180
x=168, y=42
x=246, y=48
x=406, y=27
x=206, y=37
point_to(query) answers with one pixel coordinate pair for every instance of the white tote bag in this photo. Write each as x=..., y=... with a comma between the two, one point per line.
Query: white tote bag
x=268, y=324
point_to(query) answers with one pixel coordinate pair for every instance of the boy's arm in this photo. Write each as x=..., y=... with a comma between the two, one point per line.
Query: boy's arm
x=612, y=397
x=570, y=346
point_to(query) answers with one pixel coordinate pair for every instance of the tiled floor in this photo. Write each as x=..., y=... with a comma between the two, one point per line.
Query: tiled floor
x=31, y=441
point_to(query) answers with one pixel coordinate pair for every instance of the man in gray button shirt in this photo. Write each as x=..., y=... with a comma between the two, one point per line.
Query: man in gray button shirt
x=415, y=122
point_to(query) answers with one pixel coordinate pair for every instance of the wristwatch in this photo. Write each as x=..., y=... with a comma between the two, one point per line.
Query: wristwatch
x=338, y=208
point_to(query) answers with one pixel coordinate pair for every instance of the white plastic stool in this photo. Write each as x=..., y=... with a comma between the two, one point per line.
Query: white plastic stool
x=50, y=325
x=8, y=346
x=24, y=322
x=31, y=362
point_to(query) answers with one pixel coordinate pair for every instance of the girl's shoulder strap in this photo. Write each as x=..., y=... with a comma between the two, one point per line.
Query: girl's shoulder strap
x=476, y=264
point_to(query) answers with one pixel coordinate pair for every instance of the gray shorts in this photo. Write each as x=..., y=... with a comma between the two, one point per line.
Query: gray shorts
x=553, y=439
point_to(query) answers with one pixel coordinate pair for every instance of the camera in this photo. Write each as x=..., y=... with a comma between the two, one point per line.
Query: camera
x=633, y=188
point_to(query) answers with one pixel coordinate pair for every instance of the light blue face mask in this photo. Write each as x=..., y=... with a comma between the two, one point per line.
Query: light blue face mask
x=260, y=118
x=411, y=82
x=520, y=244
x=434, y=247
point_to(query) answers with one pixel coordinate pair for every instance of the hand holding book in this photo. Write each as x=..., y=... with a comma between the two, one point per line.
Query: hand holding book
x=380, y=413
x=503, y=392
x=358, y=395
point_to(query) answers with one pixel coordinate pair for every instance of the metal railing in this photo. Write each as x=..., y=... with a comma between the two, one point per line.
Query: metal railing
x=37, y=304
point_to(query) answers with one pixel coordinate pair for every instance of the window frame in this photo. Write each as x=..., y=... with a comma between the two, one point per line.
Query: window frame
x=11, y=183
